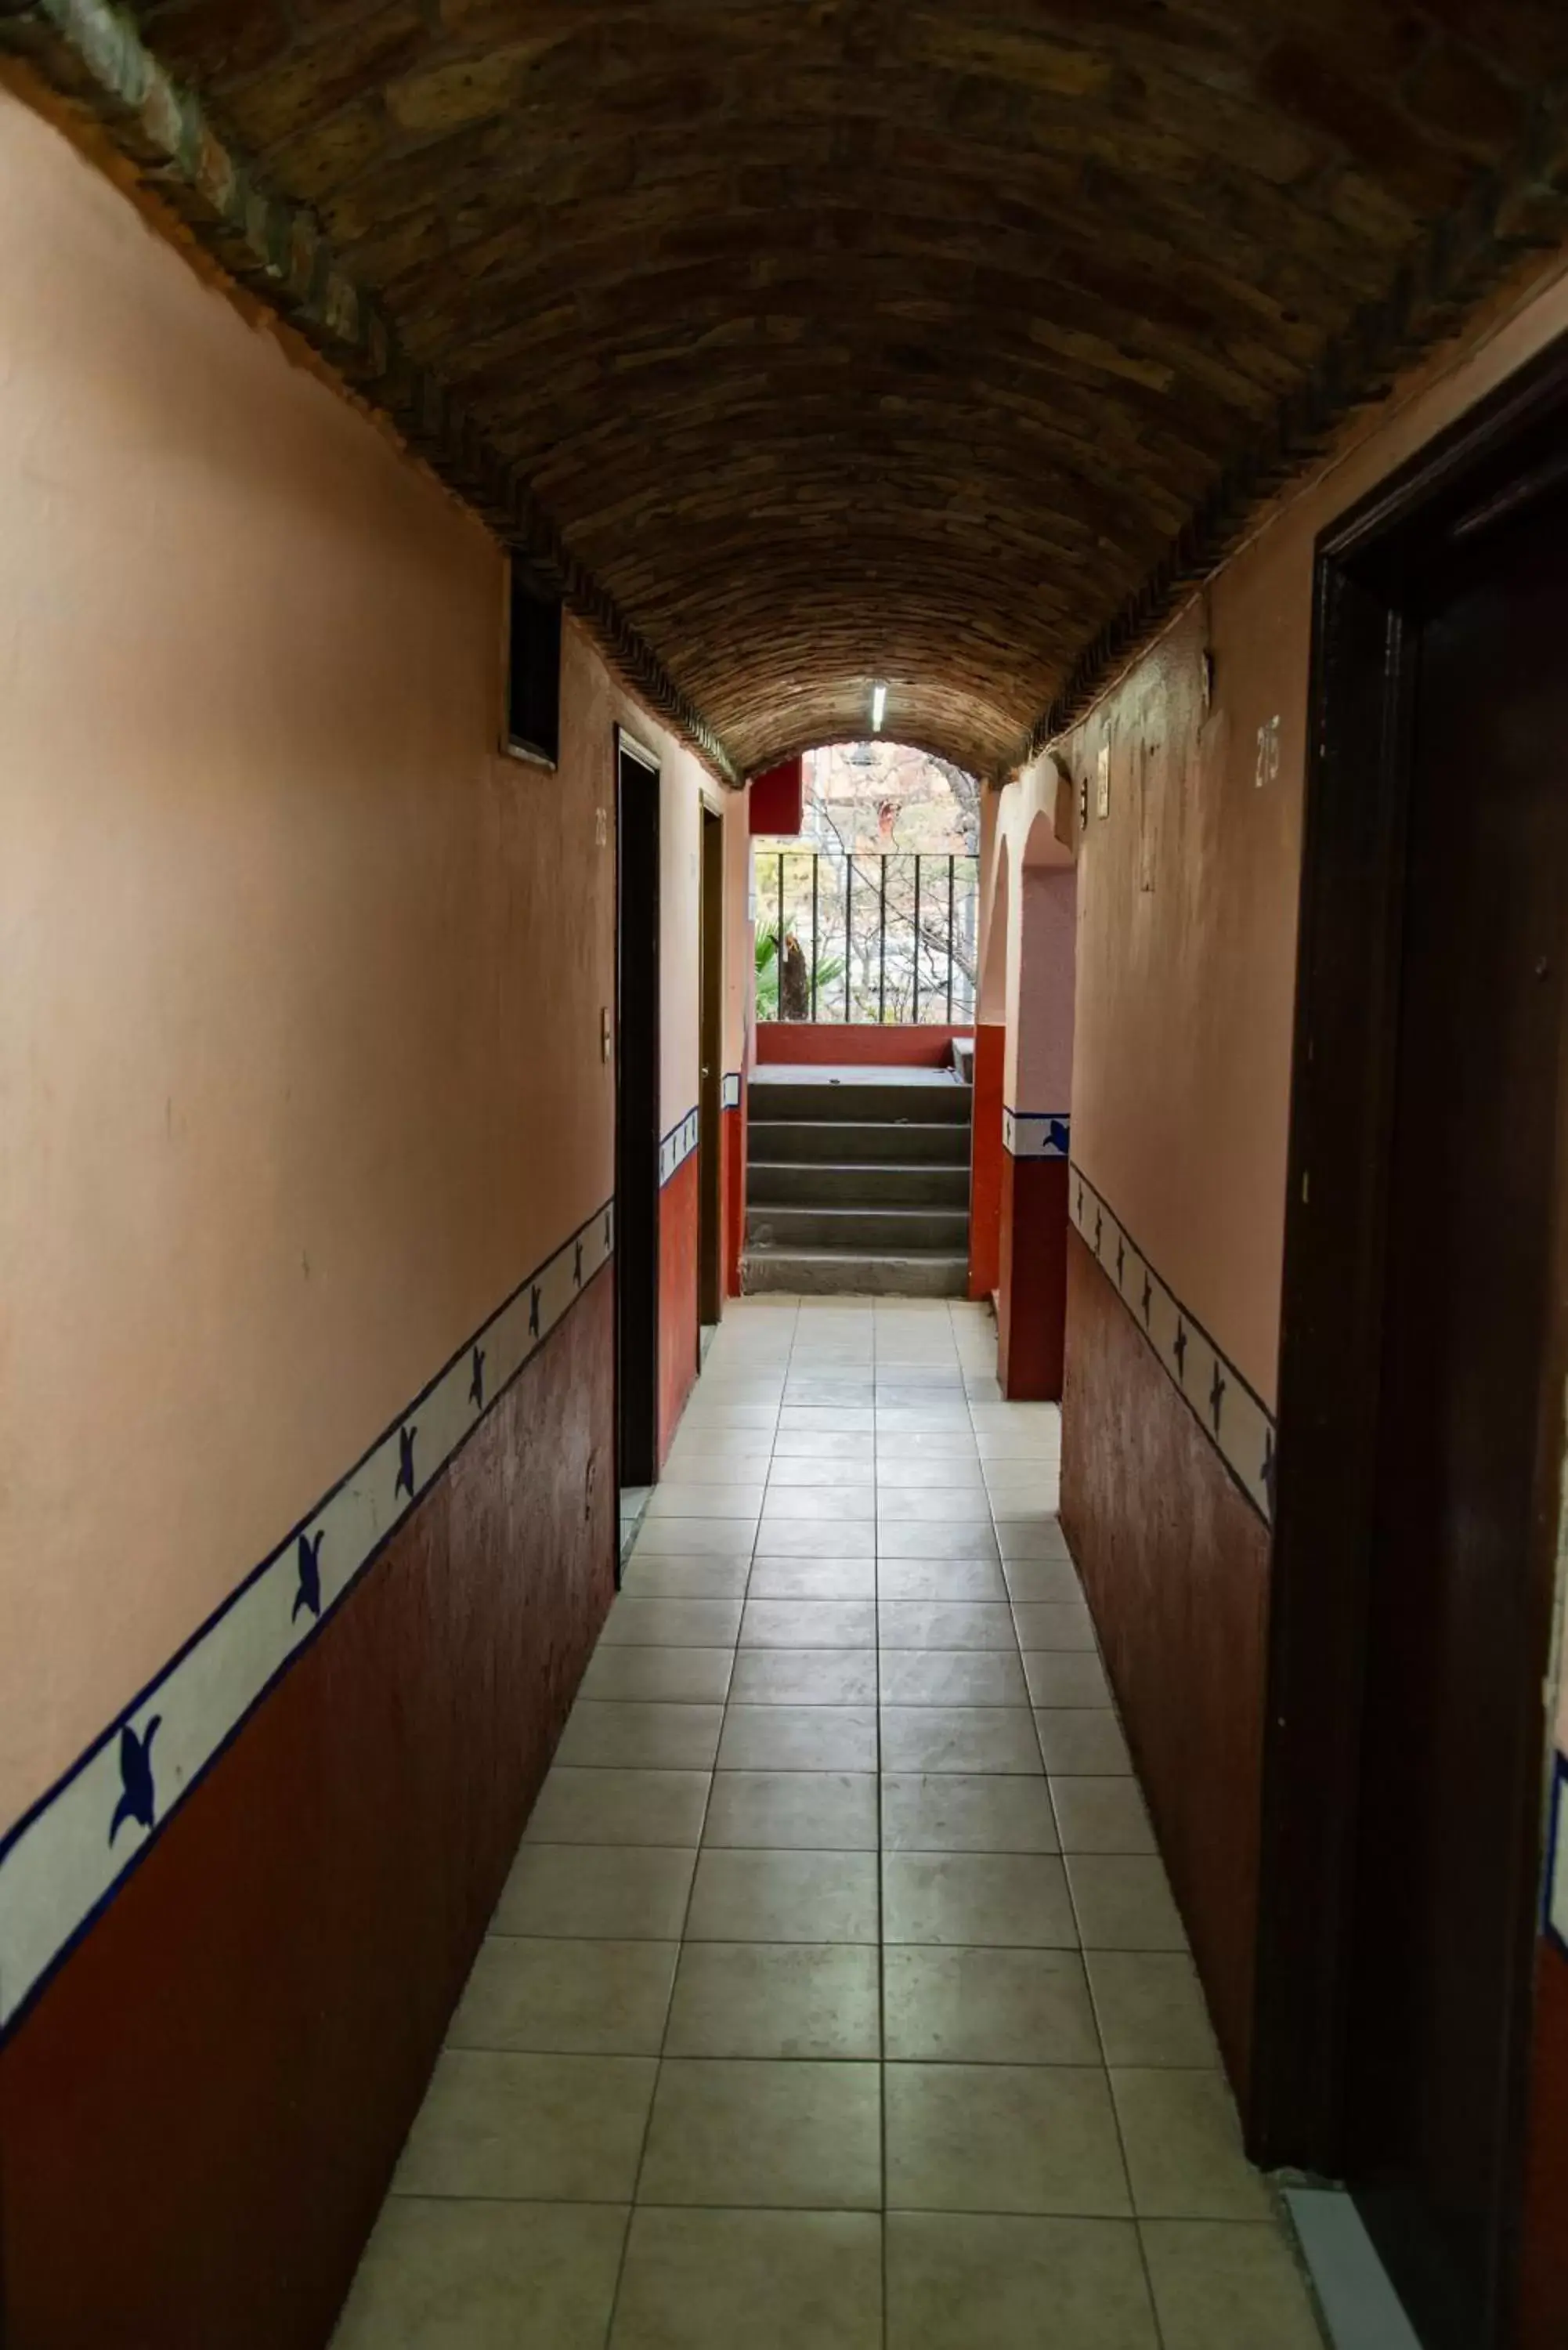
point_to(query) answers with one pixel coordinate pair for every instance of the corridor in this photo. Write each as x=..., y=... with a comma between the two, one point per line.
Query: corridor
x=837, y=1996
x=783, y=1002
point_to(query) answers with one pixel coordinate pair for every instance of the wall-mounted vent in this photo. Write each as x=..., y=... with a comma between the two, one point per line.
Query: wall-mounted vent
x=534, y=673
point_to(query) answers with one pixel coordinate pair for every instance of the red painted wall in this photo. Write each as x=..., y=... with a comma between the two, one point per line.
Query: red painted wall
x=985, y=1161
x=203, y=2109
x=818, y=1042
x=735, y=1132
x=1032, y=1279
x=677, y=1221
x=777, y=798
x=1175, y=1562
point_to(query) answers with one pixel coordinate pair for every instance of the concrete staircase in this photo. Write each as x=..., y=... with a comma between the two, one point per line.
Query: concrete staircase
x=858, y=1182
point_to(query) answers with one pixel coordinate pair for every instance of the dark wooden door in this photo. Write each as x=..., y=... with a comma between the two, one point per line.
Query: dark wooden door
x=637, y=1117
x=1450, y=1798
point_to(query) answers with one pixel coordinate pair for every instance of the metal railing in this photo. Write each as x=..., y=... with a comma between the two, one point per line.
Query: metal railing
x=887, y=937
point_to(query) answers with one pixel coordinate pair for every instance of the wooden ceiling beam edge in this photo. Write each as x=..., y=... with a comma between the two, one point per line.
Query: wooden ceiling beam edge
x=1464, y=257
x=93, y=56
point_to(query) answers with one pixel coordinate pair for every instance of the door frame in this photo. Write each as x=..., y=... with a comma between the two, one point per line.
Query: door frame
x=711, y=1064
x=1370, y=564
x=637, y=1140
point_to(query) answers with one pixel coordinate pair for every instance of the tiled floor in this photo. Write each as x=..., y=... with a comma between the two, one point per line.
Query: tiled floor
x=837, y=1997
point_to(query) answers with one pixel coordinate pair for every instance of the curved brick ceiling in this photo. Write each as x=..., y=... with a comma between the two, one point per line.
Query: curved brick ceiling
x=846, y=339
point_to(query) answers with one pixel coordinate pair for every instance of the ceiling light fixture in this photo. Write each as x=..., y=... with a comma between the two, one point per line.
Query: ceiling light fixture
x=878, y=707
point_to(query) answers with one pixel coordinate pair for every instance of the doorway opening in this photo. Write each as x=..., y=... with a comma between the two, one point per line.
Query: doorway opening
x=636, y=1096
x=710, y=1055
x=1422, y=1364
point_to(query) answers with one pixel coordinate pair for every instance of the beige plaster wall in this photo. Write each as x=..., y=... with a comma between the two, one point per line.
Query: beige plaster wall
x=1187, y=888
x=739, y=960
x=680, y=783
x=1037, y=1059
x=300, y=981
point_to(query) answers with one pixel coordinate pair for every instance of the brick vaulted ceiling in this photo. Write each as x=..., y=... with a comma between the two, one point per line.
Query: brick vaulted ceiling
x=905, y=338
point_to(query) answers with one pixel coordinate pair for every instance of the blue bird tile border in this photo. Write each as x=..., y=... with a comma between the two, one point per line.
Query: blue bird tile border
x=1232, y=1416
x=684, y=1135
x=1035, y=1133
x=678, y=1146
x=1555, y=1898
x=66, y=1857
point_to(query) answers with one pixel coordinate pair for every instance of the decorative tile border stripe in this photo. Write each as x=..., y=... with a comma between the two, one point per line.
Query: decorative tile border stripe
x=678, y=1146
x=1555, y=1904
x=63, y=1860
x=1236, y=1421
x=1034, y=1133
x=729, y=1090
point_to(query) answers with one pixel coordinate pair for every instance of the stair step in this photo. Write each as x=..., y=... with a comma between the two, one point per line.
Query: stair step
x=908, y=1141
x=854, y=1272
x=818, y=1183
x=867, y=1228
x=944, y=1102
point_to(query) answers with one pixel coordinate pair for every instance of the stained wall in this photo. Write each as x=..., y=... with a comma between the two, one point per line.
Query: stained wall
x=1192, y=766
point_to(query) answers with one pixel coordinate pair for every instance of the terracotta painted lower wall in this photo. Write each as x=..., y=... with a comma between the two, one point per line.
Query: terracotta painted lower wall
x=985, y=1159
x=1031, y=1278
x=679, y=1204
x=1175, y=1563
x=814, y=1043
x=202, y=2108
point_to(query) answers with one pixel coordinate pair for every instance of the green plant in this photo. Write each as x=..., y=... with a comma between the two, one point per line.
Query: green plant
x=767, y=956
x=830, y=968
